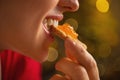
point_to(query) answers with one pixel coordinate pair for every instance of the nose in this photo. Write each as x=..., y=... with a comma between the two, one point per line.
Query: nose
x=69, y=5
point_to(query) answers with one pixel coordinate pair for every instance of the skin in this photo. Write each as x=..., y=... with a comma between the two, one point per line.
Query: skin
x=21, y=27
x=78, y=64
x=22, y=30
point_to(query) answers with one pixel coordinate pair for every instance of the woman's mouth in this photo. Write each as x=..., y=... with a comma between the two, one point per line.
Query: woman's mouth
x=49, y=22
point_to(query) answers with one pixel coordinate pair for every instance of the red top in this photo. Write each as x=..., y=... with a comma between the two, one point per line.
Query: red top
x=15, y=66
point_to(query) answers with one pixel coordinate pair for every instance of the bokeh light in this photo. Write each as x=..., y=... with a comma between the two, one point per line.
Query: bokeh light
x=102, y=5
x=53, y=54
x=73, y=23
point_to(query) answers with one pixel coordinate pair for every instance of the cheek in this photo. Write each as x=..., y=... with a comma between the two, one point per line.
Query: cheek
x=48, y=4
x=36, y=45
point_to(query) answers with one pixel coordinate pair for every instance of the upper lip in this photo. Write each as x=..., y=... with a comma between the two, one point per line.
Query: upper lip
x=56, y=17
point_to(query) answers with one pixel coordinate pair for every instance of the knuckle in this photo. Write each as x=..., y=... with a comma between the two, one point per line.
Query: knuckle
x=92, y=64
x=62, y=62
x=80, y=73
x=79, y=69
x=81, y=50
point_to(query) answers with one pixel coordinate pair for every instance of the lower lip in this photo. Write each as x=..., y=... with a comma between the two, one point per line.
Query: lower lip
x=50, y=37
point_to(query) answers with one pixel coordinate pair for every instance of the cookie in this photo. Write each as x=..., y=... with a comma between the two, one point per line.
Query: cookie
x=64, y=31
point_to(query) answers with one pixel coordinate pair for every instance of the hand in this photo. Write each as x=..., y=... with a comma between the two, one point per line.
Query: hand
x=78, y=65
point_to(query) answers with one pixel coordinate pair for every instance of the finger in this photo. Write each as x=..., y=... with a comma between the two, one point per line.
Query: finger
x=58, y=77
x=83, y=57
x=70, y=56
x=82, y=44
x=73, y=70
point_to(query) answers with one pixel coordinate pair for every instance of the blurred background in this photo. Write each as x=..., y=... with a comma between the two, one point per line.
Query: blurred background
x=97, y=23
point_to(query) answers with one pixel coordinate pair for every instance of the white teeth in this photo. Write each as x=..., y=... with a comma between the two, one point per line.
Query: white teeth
x=55, y=23
x=49, y=22
x=52, y=22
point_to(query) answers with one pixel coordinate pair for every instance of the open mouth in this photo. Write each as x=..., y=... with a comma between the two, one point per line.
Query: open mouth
x=50, y=22
x=62, y=31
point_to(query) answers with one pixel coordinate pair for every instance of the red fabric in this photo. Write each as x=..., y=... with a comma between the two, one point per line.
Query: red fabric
x=18, y=67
